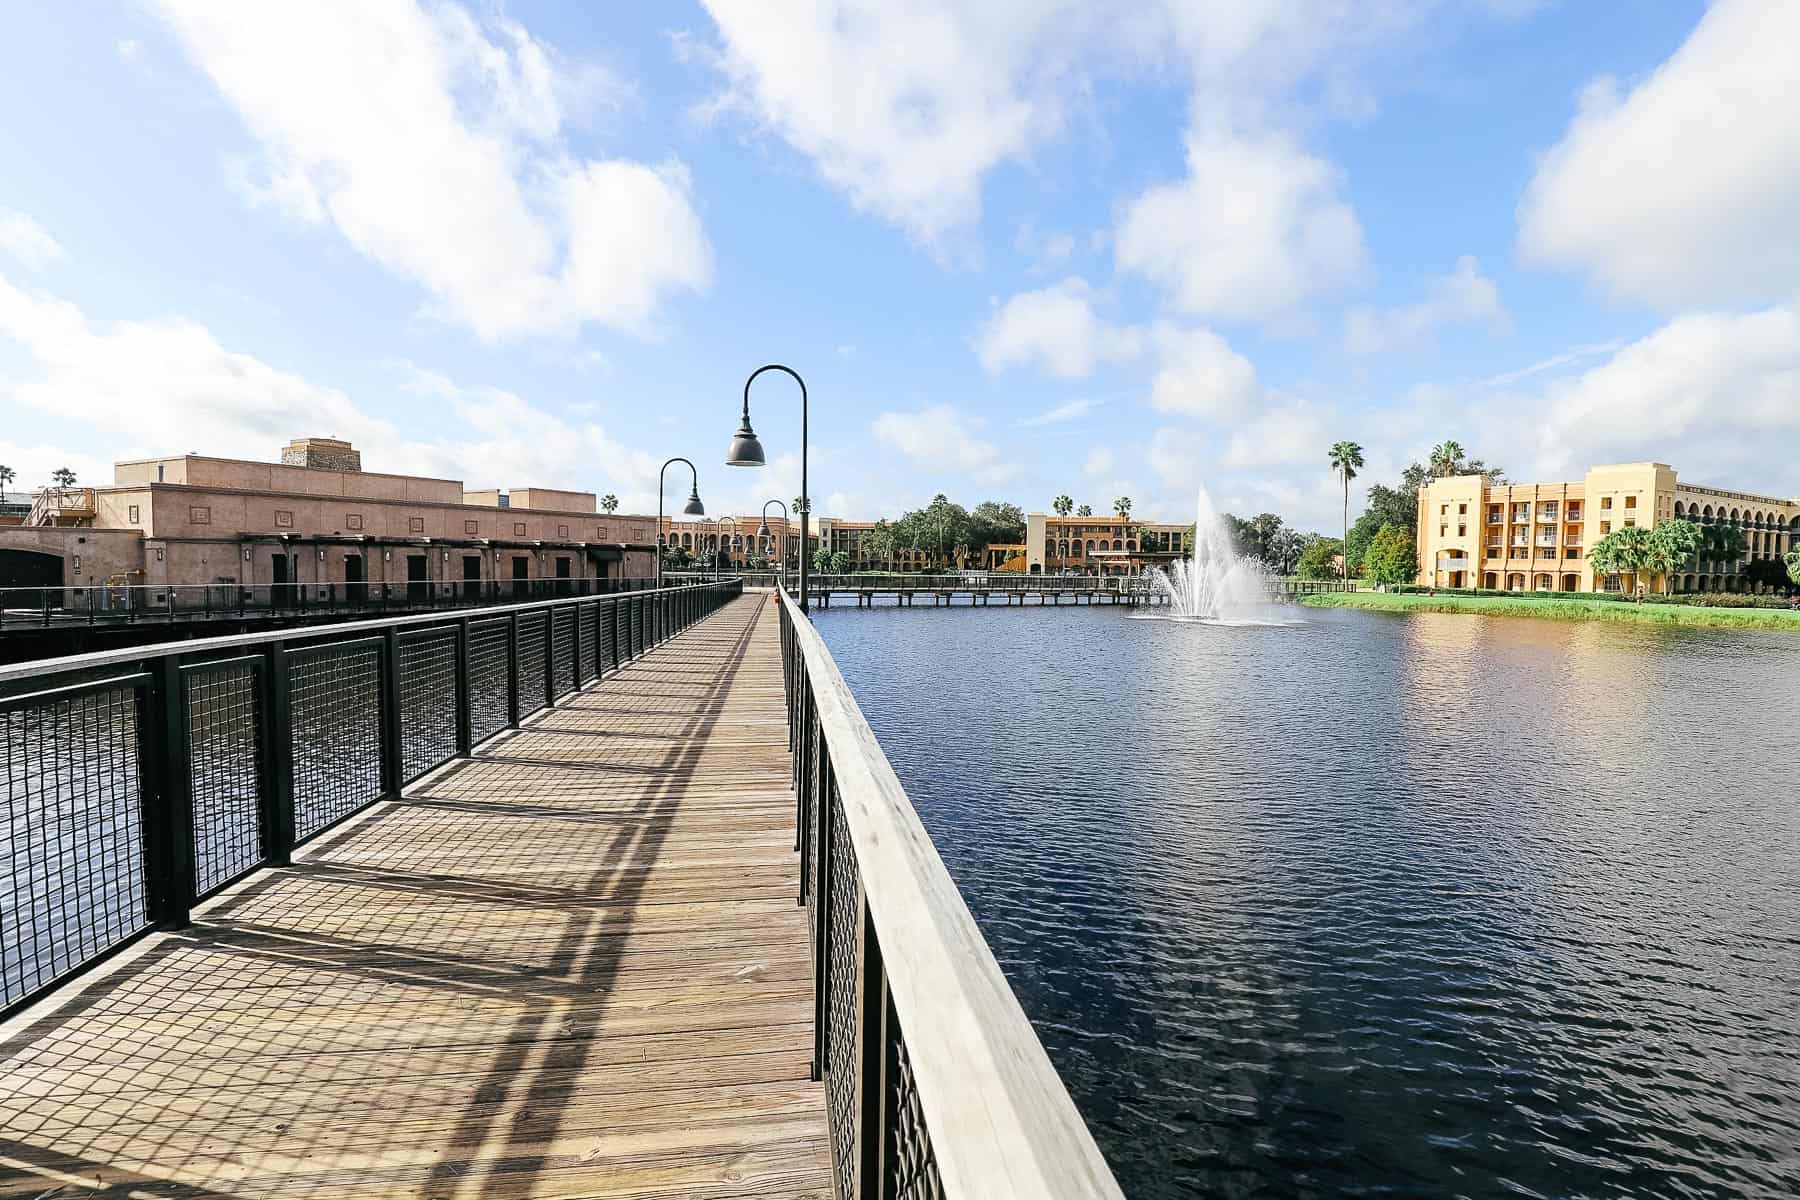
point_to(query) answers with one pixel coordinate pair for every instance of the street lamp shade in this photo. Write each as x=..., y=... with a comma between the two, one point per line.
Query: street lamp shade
x=763, y=530
x=693, y=507
x=745, y=450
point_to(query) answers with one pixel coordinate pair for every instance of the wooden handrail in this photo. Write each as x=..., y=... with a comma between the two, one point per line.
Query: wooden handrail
x=1001, y=1122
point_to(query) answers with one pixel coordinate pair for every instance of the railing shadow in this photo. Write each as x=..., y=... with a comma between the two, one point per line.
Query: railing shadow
x=188, y=1053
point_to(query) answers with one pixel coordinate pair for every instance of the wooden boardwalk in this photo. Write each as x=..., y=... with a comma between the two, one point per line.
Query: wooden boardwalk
x=569, y=966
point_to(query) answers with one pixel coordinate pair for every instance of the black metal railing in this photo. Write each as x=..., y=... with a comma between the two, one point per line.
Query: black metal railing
x=101, y=604
x=135, y=783
x=936, y=1084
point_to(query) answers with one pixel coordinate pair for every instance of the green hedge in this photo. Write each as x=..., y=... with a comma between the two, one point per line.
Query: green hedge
x=1694, y=599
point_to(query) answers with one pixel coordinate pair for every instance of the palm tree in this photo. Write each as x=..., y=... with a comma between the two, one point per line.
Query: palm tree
x=1086, y=510
x=6, y=476
x=1671, y=544
x=1792, y=559
x=1625, y=551
x=798, y=504
x=63, y=477
x=1062, y=505
x=1446, y=459
x=609, y=502
x=1122, y=506
x=1346, y=459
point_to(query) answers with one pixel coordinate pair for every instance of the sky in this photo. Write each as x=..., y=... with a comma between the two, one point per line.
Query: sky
x=1016, y=249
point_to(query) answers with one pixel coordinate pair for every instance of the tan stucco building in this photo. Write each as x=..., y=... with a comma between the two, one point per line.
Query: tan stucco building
x=314, y=518
x=1108, y=545
x=1535, y=536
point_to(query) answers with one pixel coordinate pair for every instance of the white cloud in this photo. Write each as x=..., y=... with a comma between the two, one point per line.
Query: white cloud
x=1068, y=411
x=433, y=146
x=1717, y=395
x=904, y=108
x=1463, y=295
x=27, y=241
x=128, y=48
x=33, y=462
x=1285, y=435
x=1257, y=226
x=1100, y=461
x=1055, y=326
x=1202, y=376
x=1687, y=189
x=941, y=439
x=141, y=383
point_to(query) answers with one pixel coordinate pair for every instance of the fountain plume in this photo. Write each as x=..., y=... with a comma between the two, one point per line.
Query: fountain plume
x=1217, y=584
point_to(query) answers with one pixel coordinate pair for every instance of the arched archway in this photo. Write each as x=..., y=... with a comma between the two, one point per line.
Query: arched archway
x=1515, y=582
x=1571, y=583
x=1490, y=580
x=1540, y=582
x=28, y=569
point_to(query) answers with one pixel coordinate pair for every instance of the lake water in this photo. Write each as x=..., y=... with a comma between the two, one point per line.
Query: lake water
x=1420, y=905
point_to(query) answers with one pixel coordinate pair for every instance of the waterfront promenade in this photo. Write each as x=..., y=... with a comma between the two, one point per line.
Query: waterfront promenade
x=570, y=964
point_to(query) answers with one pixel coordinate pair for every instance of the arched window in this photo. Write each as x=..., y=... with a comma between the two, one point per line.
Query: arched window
x=1118, y=544
x=1678, y=510
x=1090, y=544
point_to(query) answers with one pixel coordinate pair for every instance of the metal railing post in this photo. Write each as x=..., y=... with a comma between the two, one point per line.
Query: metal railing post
x=465, y=738
x=512, y=670
x=392, y=770
x=278, y=755
x=169, y=826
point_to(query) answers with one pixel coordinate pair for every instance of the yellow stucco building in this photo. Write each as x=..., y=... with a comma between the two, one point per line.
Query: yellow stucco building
x=1535, y=536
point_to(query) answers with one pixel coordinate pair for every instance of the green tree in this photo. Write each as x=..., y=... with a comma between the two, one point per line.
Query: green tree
x=830, y=562
x=1792, y=562
x=1770, y=573
x=1062, y=505
x=1346, y=459
x=1285, y=549
x=1622, y=552
x=7, y=475
x=676, y=557
x=1446, y=459
x=879, y=542
x=1316, y=558
x=609, y=502
x=63, y=477
x=1391, y=558
x=1724, y=544
x=1122, y=506
x=1085, y=510
x=994, y=522
x=1671, y=543
x=799, y=506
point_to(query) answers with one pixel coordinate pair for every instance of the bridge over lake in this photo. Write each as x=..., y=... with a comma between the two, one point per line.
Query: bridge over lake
x=605, y=896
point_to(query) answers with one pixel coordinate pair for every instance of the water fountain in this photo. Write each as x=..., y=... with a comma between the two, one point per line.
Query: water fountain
x=1217, y=585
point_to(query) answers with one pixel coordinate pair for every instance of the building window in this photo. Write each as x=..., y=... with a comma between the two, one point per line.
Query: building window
x=1631, y=502
x=600, y=532
x=353, y=521
x=1605, y=527
x=1630, y=521
x=415, y=524
x=1606, y=502
x=131, y=514
x=1462, y=510
x=471, y=526
x=284, y=518
x=1443, y=530
x=199, y=514
x=518, y=529
x=1462, y=531
x=562, y=531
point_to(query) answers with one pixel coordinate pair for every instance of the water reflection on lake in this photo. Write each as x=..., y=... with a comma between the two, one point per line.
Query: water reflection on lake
x=1425, y=905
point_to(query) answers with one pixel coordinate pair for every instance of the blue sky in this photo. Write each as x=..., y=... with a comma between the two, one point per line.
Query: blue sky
x=1016, y=249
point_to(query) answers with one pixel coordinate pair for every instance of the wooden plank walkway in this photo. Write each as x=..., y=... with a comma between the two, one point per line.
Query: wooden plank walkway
x=569, y=966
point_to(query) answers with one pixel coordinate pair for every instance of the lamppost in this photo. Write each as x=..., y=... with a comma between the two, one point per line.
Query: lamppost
x=746, y=451
x=692, y=508
x=763, y=532
x=725, y=545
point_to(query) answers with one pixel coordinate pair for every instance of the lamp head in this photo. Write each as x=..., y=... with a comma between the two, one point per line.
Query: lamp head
x=762, y=530
x=693, y=507
x=745, y=450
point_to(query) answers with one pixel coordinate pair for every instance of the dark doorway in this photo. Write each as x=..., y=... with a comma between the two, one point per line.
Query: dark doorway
x=521, y=573
x=471, y=577
x=24, y=571
x=562, y=575
x=356, y=579
x=281, y=591
x=418, y=587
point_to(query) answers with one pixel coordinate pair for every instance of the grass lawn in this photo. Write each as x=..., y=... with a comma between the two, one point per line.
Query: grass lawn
x=1562, y=610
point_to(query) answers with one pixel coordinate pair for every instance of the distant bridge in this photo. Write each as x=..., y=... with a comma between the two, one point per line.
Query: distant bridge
x=981, y=589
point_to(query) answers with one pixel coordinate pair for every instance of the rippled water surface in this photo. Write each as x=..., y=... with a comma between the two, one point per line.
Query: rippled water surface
x=1421, y=905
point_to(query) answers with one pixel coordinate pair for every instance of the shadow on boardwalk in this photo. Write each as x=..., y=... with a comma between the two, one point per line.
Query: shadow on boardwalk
x=571, y=965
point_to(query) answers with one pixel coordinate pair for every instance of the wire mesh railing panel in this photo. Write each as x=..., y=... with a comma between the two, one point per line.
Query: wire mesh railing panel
x=611, y=649
x=489, y=647
x=531, y=662
x=589, y=656
x=427, y=702
x=563, y=651
x=843, y=912
x=225, y=769
x=637, y=627
x=72, y=876
x=336, y=706
x=911, y=1167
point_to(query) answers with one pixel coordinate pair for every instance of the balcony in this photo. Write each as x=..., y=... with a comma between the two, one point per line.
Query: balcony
x=1548, y=514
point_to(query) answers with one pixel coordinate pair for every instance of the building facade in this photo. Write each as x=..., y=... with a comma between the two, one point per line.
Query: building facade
x=314, y=518
x=1110, y=545
x=1535, y=536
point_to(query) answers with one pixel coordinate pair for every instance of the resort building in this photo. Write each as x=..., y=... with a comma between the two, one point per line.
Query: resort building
x=1110, y=545
x=314, y=517
x=1535, y=536
x=739, y=537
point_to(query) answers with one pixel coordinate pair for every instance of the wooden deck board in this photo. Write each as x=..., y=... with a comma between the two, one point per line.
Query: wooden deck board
x=570, y=966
